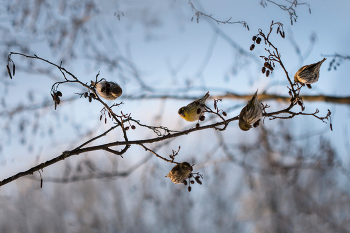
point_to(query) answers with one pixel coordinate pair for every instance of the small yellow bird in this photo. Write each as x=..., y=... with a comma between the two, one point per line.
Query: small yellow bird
x=308, y=74
x=180, y=172
x=194, y=110
x=108, y=90
x=250, y=114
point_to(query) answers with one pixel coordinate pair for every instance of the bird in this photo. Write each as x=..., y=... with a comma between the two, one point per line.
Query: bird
x=308, y=74
x=180, y=172
x=194, y=110
x=250, y=114
x=108, y=90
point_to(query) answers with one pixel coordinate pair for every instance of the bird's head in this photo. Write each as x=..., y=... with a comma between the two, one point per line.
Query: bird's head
x=182, y=111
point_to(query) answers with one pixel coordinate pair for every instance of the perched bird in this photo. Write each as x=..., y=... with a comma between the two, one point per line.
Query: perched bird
x=180, y=172
x=308, y=74
x=193, y=111
x=108, y=90
x=250, y=114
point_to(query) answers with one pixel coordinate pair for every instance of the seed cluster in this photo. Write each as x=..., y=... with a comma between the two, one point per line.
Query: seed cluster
x=196, y=176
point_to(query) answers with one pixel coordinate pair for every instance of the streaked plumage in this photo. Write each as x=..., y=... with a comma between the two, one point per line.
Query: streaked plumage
x=108, y=90
x=250, y=114
x=194, y=110
x=308, y=74
x=180, y=172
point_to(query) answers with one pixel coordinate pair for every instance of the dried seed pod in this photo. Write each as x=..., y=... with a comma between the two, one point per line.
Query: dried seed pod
x=59, y=94
x=267, y=73
x=258, y=40
x=198, y=180
x=126, y=128
x=252, y=47
x=100, y=117
x=192, y=182
x=189, y=188
x=92, y=95
x=197, y=125
x=263, y=70
x=254, y=38
x=266, y=64
x=90, y=99
x=133, y=127
x=224, y=113
x=86, y=94
x=202, y=118
x=105, y=120
x=185, y=182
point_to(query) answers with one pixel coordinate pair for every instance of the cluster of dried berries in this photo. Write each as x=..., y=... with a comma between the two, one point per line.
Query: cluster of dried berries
x=56, y=98
x=90, y=96
x=196, y=178
x=334, y=64
x=256, y=39
x=132, y=126
x=268, y=67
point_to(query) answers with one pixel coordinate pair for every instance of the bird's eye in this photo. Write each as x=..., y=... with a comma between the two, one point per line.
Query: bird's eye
x=181, y=110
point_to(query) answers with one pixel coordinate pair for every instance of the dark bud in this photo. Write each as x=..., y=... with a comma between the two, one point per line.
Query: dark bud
x=258, y=40
x=198, y=110
x=86, y=94
x=202, y=118
x=192, y=182
x=197, y=125
x=189, y=188
x=283, y=35
x=330, y=125
x=263, y=70
x=126, y=128
x=105, y=120
x=100, y=117
x=252, y=47
x=90, y=99
x=92, y=95
x=109, y=114
x=254, y=38
x=224, y=113
x=267, y=73
x=300, y=103
x=59, y=94
x=185, y=182
x=133, y=127
x=198, y=180
x=266, y=64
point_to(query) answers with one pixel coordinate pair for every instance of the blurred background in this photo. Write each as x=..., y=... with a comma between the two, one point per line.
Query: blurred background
x=287, y=175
